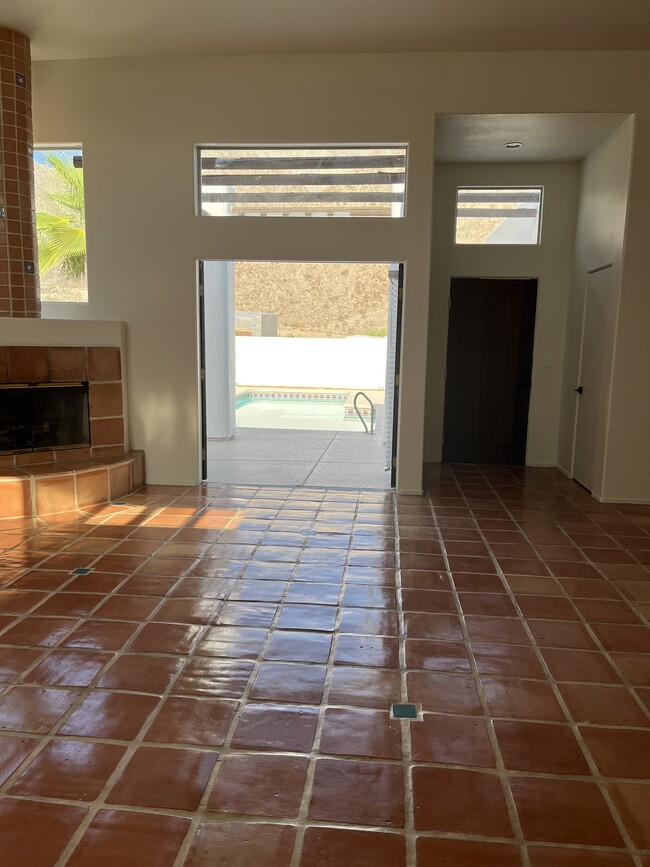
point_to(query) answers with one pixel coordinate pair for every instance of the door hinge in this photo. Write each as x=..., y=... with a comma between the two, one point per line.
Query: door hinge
x=397, y=379
x=445, y=373
x=393, y=463
x=449, y=303
x=204, y=455
x=400, y=294
x=200, y=290
x=203, y=374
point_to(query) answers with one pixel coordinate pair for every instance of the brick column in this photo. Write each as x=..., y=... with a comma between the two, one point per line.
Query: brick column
x=19, y=293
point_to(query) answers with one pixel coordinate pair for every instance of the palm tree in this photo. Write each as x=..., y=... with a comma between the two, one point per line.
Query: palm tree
x=62, y=235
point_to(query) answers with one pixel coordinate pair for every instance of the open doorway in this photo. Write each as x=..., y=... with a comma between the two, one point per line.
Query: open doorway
x=299, y=371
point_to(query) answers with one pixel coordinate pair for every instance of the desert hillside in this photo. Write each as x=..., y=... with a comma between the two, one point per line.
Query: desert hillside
x=316, y=300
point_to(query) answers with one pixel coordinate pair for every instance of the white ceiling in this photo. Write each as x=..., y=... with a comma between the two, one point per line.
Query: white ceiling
x=479, y=138
x=65, y=29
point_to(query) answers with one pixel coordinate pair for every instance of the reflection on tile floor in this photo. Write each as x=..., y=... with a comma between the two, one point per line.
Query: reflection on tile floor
x=216, y=689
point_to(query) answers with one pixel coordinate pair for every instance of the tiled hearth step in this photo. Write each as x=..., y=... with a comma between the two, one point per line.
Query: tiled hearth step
x=35, y=490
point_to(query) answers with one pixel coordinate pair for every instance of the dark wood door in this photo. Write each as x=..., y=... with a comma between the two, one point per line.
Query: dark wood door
x=489, y=368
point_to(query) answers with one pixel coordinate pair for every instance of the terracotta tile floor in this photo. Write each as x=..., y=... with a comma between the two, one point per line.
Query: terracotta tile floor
x=203, y=677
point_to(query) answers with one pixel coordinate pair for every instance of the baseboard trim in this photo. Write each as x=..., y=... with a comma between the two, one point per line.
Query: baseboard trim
x=410, y=493
x=535, y=465
x=173, y=484
x=627, y=501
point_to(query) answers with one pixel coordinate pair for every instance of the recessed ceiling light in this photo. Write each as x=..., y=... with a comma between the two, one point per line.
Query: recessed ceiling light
x=513, y=145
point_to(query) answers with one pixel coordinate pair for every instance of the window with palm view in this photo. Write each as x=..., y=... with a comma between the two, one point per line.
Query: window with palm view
x=60, y=224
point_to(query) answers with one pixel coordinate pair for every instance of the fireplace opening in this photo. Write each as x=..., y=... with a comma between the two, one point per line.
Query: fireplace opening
x=44, y=416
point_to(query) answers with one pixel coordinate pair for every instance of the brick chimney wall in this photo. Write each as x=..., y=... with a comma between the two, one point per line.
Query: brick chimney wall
x=19, y=292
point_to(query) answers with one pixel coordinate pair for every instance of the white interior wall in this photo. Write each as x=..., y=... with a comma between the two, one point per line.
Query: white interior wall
x=550, y=262
x=600, y=237
x=138, y=120
x=627, y=457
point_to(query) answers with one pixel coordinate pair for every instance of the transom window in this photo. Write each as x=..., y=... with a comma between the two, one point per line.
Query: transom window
x=498, y=215
x=302, y=181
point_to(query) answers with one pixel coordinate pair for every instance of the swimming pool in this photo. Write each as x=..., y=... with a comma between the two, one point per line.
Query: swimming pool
x=295, y=411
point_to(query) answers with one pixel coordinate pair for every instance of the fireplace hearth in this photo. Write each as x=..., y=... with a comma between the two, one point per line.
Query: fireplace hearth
x=44, y=416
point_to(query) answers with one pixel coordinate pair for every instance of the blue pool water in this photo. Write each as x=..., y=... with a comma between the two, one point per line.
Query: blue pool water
x=305, y=413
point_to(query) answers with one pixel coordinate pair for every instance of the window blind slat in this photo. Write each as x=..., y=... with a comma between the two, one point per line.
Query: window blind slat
x=493, y=196
x=304, y=180
x=510, y=213
x=301, y=197
x=277, y=162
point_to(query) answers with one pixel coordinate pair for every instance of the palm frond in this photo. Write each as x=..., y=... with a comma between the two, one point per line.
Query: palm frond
x=72, y=179
x=74, y=266
x=45, y=222
x=60, y=242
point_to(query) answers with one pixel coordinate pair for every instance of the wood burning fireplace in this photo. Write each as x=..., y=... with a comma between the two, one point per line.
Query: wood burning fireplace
x=43, y=416
x=64, y=446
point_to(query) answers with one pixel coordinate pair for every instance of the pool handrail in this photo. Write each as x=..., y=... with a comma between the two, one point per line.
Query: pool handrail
x=373, y=412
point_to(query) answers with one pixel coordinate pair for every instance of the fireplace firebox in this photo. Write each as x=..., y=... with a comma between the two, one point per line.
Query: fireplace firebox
x=44, y=416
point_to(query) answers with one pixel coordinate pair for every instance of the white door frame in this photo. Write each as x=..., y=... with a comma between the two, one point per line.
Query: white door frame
x=602, y=431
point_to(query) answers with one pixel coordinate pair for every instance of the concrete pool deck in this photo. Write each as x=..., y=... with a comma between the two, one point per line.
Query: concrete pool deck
x=318, y=458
